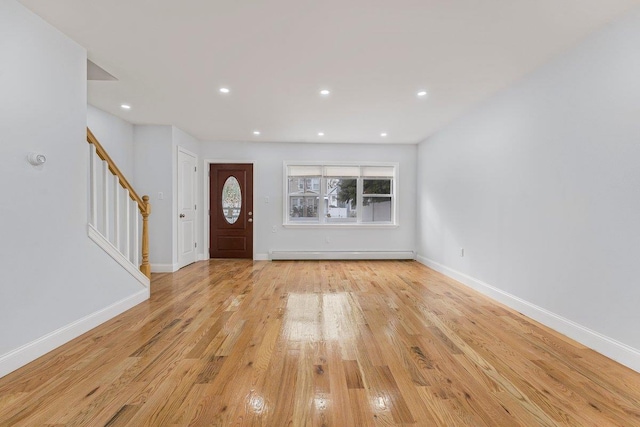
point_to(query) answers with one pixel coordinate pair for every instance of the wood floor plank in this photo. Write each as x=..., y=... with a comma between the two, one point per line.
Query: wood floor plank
x=319, y=343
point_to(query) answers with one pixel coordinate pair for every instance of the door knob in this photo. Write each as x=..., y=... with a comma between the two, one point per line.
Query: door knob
x=181, y=215
x=250, y=219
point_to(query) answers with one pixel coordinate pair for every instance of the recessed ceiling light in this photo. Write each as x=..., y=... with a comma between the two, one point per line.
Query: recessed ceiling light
x=324, y=92
x=125, y=106
x=383, y=134
x=422, y=93
x=256, y=132
x=224, y=90
x=320, y=133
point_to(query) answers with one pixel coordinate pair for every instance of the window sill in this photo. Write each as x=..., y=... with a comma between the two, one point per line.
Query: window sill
x=351, y=225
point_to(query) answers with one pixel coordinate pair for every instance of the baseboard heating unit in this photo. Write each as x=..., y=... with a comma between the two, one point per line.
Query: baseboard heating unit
x=340, y=255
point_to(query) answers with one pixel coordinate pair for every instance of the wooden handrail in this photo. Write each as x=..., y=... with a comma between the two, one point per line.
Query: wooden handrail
x=100, y=151
x=143, y=202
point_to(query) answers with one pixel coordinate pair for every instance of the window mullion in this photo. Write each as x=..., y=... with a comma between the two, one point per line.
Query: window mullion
x=394, y=208
x=359, y=200
x=322, y=212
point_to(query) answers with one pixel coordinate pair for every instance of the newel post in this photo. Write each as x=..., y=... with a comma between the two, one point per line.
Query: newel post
x=145, y=267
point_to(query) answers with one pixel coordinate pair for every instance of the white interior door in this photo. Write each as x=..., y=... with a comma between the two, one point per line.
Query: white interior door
x=186, y=208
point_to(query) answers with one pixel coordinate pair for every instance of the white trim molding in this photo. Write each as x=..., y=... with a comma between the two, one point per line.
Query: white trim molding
x=620, y=352
x=341, y=255
x=352, y=225
x=261, y=257
x=27, y=353
x=164, y=268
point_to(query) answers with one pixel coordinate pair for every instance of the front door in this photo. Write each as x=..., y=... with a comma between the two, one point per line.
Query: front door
x=231, y=216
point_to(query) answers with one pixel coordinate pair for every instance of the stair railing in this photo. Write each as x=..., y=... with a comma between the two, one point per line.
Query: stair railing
x=111, y=210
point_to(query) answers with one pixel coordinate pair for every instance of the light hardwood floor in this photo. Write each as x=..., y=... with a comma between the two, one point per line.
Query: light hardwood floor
x=381, y=343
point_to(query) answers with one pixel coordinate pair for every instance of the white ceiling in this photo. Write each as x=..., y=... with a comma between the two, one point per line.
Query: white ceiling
x=171, y=57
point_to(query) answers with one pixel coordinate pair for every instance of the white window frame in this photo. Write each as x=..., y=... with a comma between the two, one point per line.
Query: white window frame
x=322, y=222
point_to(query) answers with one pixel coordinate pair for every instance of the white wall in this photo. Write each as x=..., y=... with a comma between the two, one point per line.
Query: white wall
x=183, y=139
x=153, y=159
x=56, y=283
x=541, y=187
x=116, y=136
x=268, y=182
x=155, y=155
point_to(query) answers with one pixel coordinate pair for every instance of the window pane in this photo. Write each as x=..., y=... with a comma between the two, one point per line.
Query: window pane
x=312, y=185
x=296, y=185
x=303, y=208
x=376, y=186
x=304, y=185
x=376, y=209
x=340, y=200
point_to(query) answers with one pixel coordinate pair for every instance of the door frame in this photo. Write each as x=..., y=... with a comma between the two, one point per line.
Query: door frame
x=207, y=201
x=174, y=206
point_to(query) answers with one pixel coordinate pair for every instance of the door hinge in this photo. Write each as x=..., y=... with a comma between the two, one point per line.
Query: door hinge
x=195, y=169
x=195, y=244
x=209, y=213
x=195, y=207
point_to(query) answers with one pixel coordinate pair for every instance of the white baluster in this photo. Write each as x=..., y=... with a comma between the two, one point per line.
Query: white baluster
x=117, y=213
x=127, y=247
x=93, y=178
x=136, y=234
x=105, y=193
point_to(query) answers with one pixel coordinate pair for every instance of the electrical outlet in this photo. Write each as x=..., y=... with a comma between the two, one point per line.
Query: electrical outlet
x=161, y=196
x=266, y=199
x=327, y=239
x=274, y=229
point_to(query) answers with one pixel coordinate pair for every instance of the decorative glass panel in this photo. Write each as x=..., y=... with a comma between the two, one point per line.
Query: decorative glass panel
x=231, y=199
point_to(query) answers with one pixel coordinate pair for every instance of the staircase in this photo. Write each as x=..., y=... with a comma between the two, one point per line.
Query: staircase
x=116, y=213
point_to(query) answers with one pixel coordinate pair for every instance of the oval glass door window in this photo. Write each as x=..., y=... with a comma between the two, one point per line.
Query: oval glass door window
x=231, y=200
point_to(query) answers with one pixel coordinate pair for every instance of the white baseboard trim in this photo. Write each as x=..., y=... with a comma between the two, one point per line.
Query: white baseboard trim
x=27, y=353
x=261, y=257
x=341, y=255
x=203, y=257
x=164, y=268
x=109, y=248
x=616, y=350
